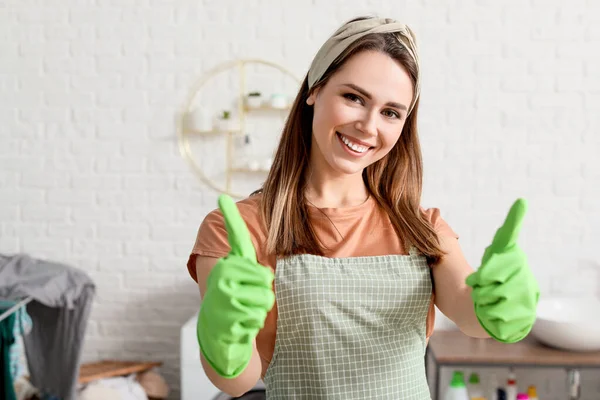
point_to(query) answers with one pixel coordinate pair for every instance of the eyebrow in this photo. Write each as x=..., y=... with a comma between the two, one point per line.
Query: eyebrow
x=368, y=96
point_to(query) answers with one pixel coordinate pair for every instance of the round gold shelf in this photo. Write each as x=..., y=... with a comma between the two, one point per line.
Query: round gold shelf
x=184, y=134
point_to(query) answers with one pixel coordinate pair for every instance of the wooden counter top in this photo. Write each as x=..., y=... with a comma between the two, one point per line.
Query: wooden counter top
x=455, y=348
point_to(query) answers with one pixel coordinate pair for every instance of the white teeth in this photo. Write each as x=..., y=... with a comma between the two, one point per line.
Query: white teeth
x=353, y=146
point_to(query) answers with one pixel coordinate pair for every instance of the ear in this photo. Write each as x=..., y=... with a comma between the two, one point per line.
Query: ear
x=310, y=100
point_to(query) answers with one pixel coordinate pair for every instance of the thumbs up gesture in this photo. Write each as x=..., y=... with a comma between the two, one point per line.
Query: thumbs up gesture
x=505, y=293
x=238, y=297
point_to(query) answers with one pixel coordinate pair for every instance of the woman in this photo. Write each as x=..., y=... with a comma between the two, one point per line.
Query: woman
x=358, y=264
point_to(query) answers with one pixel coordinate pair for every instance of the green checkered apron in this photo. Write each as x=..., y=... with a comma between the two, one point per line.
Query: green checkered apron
x=350, y=328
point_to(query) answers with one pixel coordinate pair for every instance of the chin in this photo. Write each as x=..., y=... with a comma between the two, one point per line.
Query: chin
x=348, y=167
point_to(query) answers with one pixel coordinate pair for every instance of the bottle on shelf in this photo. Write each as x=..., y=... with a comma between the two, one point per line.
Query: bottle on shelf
x=501, y=393
x=511, y=386
x=474, y=387
x=492, y=387
x=532, y=392
x=242, y=151
x=457, y=390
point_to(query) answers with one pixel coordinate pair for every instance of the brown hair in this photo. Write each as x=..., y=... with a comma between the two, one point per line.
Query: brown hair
x=395, y=181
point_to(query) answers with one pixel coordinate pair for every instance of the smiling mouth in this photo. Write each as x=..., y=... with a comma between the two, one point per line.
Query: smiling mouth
x=357, y=148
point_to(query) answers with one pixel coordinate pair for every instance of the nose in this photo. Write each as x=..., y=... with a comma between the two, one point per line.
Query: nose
x=368, y=124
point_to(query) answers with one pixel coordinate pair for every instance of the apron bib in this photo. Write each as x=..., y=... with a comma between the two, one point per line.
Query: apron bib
x=350, y=328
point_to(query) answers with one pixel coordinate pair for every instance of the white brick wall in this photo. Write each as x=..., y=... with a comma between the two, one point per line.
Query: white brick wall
x=90, y=172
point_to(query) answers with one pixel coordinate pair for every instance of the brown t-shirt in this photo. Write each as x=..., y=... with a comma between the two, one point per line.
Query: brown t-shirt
x=363, y=230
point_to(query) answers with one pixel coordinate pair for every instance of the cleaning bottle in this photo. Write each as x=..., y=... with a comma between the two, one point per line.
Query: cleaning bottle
x=457, y=389
x=511, y=386
x=522, y=396
x=492, y=387
x=474, y=388
x=532, y=393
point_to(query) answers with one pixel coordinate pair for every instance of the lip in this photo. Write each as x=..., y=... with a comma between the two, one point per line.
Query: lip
x=355, y=140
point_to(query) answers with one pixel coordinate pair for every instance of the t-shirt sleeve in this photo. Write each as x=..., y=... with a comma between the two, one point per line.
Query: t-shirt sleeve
x=440, y=226
x=211, y=240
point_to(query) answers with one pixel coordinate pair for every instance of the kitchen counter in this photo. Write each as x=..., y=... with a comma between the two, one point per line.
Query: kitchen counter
x=455, y=349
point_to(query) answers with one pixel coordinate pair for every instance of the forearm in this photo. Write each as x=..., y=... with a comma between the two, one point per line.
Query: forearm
x=241, y=384
x=464, y=314
x=452, y=294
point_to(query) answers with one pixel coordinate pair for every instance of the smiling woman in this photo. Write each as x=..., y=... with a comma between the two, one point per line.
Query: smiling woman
x=358, y=263
x=352, y=134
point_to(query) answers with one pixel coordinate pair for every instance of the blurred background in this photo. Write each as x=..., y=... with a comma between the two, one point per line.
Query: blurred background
x=97, y=170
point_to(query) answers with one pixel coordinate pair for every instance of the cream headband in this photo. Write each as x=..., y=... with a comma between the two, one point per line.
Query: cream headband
x=349, y=33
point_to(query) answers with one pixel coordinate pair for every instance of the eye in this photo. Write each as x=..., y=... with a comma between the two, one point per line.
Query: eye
x=353, y=98
x=391, y=114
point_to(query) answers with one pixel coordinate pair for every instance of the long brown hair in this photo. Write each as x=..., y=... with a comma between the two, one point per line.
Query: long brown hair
x=395, y=181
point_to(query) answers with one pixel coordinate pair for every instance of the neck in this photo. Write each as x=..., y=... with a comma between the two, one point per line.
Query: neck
x=326, y=190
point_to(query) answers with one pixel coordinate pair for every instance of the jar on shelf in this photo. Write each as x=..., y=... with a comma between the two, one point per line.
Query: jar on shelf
x=199, y=119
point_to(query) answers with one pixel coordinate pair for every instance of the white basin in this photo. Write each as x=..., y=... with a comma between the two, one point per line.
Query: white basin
x=569, y=323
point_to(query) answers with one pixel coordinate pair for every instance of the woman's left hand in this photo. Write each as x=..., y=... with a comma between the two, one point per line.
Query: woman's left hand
x=505, y=293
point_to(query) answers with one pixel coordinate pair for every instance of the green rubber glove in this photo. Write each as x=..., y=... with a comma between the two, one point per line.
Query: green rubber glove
x=505, y=293
x=238, y=297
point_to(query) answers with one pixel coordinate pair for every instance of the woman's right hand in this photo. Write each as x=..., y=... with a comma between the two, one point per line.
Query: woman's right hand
x=238, y=297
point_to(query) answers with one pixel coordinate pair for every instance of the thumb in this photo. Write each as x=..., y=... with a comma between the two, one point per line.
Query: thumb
x=237, y=231
x=507, y=235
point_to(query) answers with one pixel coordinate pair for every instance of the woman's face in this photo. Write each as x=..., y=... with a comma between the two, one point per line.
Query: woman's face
x=359, y=113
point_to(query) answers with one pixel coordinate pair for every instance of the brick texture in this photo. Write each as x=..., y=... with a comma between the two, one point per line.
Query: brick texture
x=90, y=171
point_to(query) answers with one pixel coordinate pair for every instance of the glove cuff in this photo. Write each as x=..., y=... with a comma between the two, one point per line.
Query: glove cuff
x=512, y=339
x=229, y=367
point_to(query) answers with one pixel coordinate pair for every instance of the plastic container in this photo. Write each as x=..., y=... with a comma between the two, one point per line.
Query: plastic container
x=492, y=387
x=511, y=386
x=522, y=396
x=474, y=387
x=532, y=392
x=501, y=394
x=457, y=390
